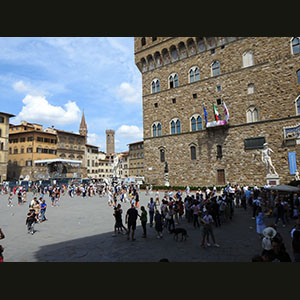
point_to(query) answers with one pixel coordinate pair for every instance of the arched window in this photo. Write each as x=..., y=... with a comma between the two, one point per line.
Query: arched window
x=215, y=68
x=252, y=114
x=196, y=123
x=250, y=88
x=155, y=86
x=173, y=127
x=165, y=56
x=178, y=126
x=193, y=152
x=144, y=65
x=248, y=59
x=162, y=155
x=295, y=45
x=159, y=129
x=199, y=123
x=154, y=130
x=298, y=105
x=143, y=41
x=194, y=74
x=298, y=75
x=173, y=80
x=150, y=62
x=193, y=124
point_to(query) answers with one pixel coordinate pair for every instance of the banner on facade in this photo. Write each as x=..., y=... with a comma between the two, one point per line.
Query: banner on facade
x=292, y=163
x=216, y=123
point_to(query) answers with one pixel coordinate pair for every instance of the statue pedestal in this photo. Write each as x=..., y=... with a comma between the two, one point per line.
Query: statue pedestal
x=272, y=179
x=167, y=179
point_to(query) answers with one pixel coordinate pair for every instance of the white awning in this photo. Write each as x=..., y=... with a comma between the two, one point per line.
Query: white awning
x=57, y=160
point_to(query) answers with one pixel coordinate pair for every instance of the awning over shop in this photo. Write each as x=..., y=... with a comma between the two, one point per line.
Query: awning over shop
x=284, y=188
x=58, y=160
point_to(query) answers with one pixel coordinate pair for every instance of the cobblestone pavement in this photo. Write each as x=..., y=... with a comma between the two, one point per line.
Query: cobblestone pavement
x=81, y=229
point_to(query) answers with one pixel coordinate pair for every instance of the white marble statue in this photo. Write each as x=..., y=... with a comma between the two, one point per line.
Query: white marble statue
x=266, y=159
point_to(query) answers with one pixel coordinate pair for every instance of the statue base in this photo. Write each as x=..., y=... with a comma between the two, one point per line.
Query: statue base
x=272, y=179
x=167, y=179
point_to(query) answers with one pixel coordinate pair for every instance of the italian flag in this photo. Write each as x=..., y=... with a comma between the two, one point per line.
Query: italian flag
x=217, y=115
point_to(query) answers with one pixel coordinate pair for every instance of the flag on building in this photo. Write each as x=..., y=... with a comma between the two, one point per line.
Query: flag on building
x=226, y=112
x=205, y=114
x=217, y=115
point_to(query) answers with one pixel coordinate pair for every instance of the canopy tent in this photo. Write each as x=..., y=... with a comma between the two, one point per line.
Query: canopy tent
x=284, y=188
x=57, y=160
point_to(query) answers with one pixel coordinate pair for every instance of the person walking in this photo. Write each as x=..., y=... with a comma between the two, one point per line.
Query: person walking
x=158, y=224
x=30, y=220
x=151, y=207
x=280, y=213
x=43, y=210
x=130, y=220
x=143, y=218
x=207, y=221
x=10, y=197
x=260, y=224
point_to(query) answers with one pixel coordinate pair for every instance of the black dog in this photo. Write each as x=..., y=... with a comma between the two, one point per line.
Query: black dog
x=177, y=231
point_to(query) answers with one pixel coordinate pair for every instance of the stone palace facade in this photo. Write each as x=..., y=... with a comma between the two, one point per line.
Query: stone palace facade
x=258, y=78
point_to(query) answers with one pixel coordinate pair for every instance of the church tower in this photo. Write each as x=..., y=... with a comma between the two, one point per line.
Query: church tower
x=83, y=127
x=110, y=142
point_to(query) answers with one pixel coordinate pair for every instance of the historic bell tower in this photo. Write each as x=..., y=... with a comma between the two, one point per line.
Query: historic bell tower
x=110, y=142
x=83, y=127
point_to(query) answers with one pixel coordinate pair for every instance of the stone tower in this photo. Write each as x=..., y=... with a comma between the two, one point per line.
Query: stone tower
x=110, y=141
x=83, y=127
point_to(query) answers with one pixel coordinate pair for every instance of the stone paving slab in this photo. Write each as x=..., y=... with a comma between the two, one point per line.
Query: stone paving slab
x=81, y=229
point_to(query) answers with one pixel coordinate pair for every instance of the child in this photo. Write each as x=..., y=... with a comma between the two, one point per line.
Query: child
x=260, y=224
x=10, y=200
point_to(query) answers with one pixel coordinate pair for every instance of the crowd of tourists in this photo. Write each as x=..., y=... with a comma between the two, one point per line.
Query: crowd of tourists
x=203, y=209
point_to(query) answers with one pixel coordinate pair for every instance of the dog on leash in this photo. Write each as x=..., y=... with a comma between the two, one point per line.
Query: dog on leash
x=177, y=231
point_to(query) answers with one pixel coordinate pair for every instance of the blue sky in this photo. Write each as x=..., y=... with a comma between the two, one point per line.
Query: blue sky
x=51, y=80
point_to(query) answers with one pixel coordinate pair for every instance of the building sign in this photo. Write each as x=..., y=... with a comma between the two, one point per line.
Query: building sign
x=292, y=163
x=254, y=143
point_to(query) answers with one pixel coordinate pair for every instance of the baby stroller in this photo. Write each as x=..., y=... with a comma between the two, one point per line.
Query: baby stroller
x=30, y=220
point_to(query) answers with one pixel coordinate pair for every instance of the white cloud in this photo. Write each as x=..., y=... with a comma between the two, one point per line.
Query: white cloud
x=95, y=140
x=36, y=108
x=22, y=87
x=129, y=93
x=130, y=132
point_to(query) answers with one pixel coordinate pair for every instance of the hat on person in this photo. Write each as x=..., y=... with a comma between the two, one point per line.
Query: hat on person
x=269, y=232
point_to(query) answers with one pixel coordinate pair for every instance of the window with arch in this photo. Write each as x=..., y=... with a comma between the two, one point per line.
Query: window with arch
x=158, y=59
x=196, y=123
x=173, y=80
x=159, y=129
x=250, y=88
x=295, y=45
x=150, y=62
x=298, y=76
x=175, y=126
x=165, y=56
x=215, y=68
x=252, y=114
x=191, y=47
x=143, y=41
x=162, y=155
x=156, y=129
x=194, y=74
x=298, y=105
x=155, y=86
x=248, y=59
x=193, y=152
x=144, y=65
x=200, y=44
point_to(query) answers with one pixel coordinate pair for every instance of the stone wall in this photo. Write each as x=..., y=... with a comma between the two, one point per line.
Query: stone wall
x=275, y=91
